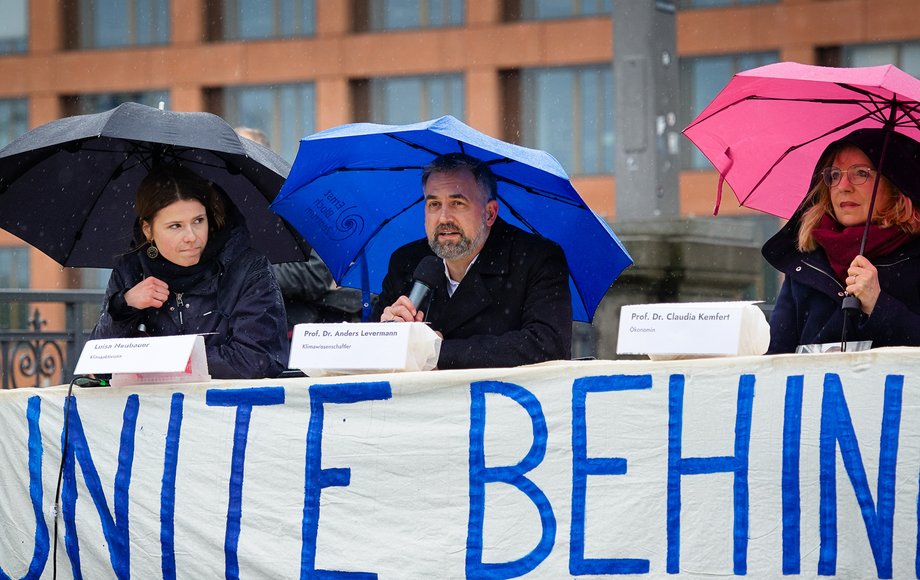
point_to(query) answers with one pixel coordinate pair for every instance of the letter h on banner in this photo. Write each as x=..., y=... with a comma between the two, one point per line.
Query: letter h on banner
x=679, y=466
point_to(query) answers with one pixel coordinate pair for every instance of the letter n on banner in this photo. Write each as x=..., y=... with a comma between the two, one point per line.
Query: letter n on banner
x=837, y=427
x=114, y=529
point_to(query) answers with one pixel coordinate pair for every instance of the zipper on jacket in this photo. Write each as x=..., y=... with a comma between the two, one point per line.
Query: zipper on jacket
x=179, y=306
x=817, y=269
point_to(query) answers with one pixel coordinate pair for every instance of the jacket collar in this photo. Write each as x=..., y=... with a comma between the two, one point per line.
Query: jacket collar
x=474, y=295
x=781, y=250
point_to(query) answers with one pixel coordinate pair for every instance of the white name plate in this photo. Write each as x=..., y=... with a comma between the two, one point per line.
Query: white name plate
x=154, y=359
x=691, y=328
x=318, y=349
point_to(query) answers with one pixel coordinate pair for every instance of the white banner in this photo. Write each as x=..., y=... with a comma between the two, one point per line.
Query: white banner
x=765, y=466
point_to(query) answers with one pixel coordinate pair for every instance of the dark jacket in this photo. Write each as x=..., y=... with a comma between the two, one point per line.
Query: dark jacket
x=512, y=307
x=808, y=309
x=241, y=305
x=310, y=294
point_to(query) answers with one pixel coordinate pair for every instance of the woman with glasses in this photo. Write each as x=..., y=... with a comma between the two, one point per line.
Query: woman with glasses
x=818, y=250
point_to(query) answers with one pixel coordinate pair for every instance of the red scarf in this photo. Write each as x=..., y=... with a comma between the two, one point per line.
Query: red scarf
x=841, y=244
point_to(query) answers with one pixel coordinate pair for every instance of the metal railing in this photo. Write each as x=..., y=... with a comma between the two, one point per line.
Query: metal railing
x=35, y=356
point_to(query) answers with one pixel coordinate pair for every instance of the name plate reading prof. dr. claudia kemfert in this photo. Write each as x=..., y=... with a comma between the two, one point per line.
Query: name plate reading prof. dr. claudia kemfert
x=700, y=328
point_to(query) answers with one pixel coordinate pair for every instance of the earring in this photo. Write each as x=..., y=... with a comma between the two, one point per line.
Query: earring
x=152, y=251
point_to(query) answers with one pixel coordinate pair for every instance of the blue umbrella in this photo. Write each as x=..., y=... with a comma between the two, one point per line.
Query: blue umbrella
x=354, y=192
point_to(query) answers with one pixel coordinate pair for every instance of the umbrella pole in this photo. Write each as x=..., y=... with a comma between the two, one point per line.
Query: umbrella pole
x=851, y=303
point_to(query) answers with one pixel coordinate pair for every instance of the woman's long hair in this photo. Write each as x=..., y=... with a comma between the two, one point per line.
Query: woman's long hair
x=899, y=213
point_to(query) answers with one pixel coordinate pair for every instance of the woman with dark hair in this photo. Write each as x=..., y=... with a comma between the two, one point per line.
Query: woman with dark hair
x=193, y=272
x=818, y=250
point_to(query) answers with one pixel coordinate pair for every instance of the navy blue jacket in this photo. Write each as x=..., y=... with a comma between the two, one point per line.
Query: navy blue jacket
x=512, y=307
x=240, y=305
x=808, y=309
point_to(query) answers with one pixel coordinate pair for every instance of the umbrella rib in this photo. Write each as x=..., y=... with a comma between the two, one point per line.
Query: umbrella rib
x=137, y=153
x=405, y=141
x=792, y=148
x=92, y=207
x=533, y=230
x=860, y=102
x=541, y=192
x=376, y=230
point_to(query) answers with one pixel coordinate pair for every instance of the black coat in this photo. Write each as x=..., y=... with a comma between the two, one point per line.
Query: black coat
x=240, y=305
x=808, y=309
x=512, y=307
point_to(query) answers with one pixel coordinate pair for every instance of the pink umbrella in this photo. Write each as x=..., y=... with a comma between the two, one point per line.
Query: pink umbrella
x=767, y=128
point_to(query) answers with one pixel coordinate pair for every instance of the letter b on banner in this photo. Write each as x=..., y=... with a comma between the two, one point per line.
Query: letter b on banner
x=480, y=475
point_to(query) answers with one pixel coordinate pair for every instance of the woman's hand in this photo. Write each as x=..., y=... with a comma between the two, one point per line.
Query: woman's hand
x=148, y=293
x=862, y=282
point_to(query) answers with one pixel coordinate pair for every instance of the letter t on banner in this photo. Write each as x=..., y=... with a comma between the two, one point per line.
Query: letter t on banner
x=244, y=400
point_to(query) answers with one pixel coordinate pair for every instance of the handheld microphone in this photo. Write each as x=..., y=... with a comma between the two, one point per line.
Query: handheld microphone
x=426, y=276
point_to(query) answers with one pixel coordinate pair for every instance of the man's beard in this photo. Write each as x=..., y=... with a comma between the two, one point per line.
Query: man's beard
x=460, y=249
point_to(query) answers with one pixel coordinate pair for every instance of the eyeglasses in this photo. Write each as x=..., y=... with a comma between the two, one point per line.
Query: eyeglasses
x=856, y=175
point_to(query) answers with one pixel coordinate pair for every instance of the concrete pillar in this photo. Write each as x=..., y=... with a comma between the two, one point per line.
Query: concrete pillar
x=645, y=73
x=697, y=260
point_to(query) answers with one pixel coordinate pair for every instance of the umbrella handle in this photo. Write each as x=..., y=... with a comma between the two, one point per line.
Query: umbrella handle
x=850, y=302
x=849, y=306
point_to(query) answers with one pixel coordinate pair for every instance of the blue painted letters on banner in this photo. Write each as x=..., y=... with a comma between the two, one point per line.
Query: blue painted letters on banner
x=679, y=466
x=114, y=529
x=317, y=478
x=480, y=475
x=583, y=466
x=837, y=427
x=244, y=400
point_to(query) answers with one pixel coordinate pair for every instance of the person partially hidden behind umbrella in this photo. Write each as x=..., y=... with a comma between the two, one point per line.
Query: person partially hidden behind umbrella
x=503, y=298
x=309, y=291
x=193, y=272
x=818, y=249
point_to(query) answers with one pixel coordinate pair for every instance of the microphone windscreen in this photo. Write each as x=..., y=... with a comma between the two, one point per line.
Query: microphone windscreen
x=429, y=271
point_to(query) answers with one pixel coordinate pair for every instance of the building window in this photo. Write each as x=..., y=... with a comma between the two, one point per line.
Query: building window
x=567, y=112
x=14, y=273
x=113, y=23
x=685, y=4
x=101, y=102
x=14, y=119
x=904, y=55
x=403, y=100
x=253, y=19
x=379, y=15
x=286, y=113
x=701, y=79
x=14, y=26
x=555, y=9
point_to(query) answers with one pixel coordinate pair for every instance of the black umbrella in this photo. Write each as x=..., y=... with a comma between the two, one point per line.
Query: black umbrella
x=67, y=187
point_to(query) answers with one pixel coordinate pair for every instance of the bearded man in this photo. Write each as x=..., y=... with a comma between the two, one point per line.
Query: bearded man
x=504, y=299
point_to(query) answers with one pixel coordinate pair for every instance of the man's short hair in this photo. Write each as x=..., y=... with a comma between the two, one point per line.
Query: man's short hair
x=256, y=135
x=451, y=162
